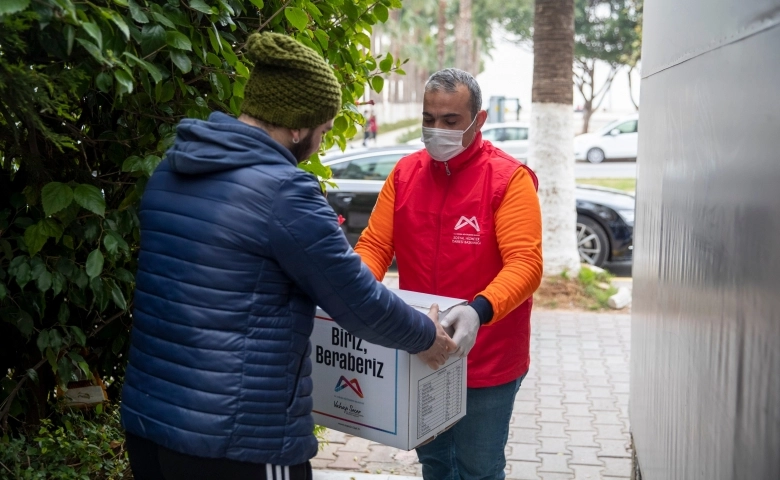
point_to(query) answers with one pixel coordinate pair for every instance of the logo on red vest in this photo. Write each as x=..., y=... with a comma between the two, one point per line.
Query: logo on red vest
x=467, y=221
x=467, y=238
x=353, y=384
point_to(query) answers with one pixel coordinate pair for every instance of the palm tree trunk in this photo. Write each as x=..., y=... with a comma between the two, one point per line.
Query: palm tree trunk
x=441, y=35
x=463, y=38
x=551, y=152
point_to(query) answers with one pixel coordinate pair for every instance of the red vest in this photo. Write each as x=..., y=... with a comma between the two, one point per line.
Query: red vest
x=445, y=244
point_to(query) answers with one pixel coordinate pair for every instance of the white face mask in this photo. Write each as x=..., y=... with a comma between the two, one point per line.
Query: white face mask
x=443, y=144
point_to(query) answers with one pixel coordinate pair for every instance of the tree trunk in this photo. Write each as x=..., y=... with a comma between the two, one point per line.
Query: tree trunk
x=441, y=35
x=475, y=57
x=587, y=112
x=631, y=88
x=463, y=38
x=551, y=152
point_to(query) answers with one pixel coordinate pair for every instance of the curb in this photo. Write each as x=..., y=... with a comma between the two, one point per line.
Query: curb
x=339, y=475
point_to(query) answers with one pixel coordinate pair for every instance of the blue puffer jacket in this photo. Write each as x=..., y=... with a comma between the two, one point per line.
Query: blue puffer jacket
x=237, y=246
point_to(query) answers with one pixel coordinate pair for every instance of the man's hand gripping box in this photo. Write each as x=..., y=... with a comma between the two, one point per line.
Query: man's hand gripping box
x=381, y=394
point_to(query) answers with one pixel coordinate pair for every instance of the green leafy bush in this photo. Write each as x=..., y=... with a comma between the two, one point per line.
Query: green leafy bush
x=594, y=283
x=77, y=446
x=90, y=95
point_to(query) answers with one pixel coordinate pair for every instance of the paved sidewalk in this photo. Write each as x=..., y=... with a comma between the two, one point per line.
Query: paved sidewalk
x=570, y=418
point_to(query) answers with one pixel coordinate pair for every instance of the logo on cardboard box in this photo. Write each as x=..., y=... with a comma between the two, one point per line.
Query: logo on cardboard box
x=353, y=384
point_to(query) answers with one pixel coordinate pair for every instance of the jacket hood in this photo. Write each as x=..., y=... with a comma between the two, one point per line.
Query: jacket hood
x=222, y=143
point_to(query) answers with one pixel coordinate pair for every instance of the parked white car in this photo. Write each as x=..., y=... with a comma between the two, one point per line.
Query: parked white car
x=619, y=139
x=511, y=137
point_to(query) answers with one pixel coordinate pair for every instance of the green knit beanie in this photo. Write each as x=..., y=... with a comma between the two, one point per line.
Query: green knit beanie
x=291, y=85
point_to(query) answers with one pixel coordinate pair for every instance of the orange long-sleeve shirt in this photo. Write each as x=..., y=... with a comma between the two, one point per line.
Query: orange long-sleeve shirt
x=518, y=226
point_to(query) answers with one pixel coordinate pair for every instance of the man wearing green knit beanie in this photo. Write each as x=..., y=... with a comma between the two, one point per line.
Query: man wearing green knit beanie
x=291, y=93
x=238, y=246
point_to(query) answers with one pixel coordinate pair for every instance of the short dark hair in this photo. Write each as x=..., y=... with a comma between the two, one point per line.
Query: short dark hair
x=449, y=79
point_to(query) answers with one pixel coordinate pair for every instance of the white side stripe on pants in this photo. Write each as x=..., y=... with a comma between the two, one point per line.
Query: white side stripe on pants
x=275, y=472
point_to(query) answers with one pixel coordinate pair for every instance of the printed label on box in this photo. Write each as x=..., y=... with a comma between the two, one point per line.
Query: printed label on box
x=360, y=375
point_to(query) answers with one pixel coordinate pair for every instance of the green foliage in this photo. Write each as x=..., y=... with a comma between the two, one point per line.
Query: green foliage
x=409, y=122
x=418, y=21
x=623, y=184
x=76, y=446
x=90, y=95
x=590, y=280
x=605, y=30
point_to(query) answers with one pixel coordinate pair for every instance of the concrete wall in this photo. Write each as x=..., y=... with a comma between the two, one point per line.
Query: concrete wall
x=705, y=367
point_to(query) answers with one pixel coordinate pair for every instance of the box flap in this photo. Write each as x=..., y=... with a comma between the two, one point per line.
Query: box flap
x=423, y=301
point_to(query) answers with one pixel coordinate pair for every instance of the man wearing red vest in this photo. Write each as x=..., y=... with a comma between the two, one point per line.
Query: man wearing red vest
x=463, y=220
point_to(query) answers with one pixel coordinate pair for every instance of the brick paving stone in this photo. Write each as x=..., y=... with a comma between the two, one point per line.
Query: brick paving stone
x=609, y=432
x=587, y=472
x=598, y=381
x=574, y=386
x=381, y=454
x=615, y=359
x=620, y=387
x=524, y=435
x=591, y=354
x=521, y=470
x=548, y=362
x=619, y=368
x=604, y=404
x=554, y=445
x=528, y=395
x=576, y=397
x=579, y=424
x=622, y=398
x=345, y=461
x=525, y=407
x=550, y=380
x=594, y=363
x=334, y=436
x=620, y=377
x=555, y=463
x=320, y=463
x=596, y=371
x=328, y=451
x=548, y=401
x=583, y=439
x=607, y=418
x=523, y=420
x=552, y=430
x=555, y=476
x=578, y=410
x=406, y=457
x=552, y=415
x=356, y=444
x=585, y=456
x=617, y=467
x=578, y=376
x=522, y=452
x=550, y=390
x=614, y=448
x=600, y=392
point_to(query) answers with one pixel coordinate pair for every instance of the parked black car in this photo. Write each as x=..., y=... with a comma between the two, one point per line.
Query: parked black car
x=605, y=217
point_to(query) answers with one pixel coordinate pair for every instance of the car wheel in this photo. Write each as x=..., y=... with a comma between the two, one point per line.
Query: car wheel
x=595, y=155
x=592, y=241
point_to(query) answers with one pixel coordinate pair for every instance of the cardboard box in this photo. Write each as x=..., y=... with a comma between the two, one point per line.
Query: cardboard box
x=381, y=394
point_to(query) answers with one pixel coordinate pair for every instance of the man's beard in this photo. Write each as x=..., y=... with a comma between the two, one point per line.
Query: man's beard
x=301, y=149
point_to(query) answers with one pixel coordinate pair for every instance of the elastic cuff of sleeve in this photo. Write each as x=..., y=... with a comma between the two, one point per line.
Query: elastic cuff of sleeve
x=484, y=309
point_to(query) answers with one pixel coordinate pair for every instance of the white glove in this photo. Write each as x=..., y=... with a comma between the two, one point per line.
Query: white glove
x=465, y=321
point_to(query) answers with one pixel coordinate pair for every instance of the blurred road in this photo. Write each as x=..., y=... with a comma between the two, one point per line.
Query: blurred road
x=605, y=170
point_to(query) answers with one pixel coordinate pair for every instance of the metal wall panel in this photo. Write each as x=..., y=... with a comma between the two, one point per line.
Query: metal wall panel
x=705, y=366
